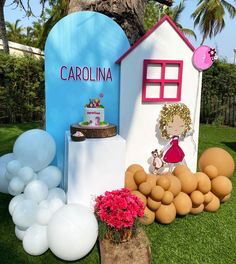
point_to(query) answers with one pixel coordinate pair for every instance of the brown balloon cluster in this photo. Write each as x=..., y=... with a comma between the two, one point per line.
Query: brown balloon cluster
x=181, y=192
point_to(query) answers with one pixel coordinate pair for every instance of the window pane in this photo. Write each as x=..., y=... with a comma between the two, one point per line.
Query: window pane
x=153, y=90
x=170, y=90
x=154, y=71
x=172, y=71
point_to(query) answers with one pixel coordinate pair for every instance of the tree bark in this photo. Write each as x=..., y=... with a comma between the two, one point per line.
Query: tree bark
x=3, y=33
x=129, y=14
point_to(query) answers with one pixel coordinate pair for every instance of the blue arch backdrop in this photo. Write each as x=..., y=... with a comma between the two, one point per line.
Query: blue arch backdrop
x=80, y=55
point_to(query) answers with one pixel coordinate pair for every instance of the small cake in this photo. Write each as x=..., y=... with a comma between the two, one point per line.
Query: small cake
x=94, y=113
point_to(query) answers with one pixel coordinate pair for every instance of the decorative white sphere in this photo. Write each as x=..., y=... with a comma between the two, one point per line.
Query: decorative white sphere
x=13, y=167
x=35, y=148
x=24, y=214
x=36, y=190
x=20, y=233
x=14, y=202
x=72, y=232
x=43, y=215
x=57, y=193
x=16, y=186
x=51, y=175
x=26, y=174
x=35, y=241
x=4, y=182
x=55, y=204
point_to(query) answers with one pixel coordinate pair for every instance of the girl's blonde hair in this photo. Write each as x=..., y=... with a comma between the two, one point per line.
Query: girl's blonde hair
x=167, y=115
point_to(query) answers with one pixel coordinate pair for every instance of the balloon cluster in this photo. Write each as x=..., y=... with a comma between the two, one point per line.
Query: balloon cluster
x=38, y=210
x=181, y=192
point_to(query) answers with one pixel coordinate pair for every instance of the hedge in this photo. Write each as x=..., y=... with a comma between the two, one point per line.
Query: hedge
x=21, y=89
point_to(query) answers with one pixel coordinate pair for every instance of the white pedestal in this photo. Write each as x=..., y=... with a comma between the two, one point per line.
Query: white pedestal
x=92, y=167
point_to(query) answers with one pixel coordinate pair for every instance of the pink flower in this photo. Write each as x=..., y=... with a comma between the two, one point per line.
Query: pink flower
x=101, y=95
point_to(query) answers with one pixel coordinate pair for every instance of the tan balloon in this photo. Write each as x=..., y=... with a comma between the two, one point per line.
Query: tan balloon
x=183, y=203
x=135, y=167
x=129, y=181
x=145, y=188
x=188, y=182
x=203, y=182
x=167, y=197
x=219, y=158
x=164, y=182
x=175, y=185
x=197, y=210
x=140, y=176
x=166, y=214
x=214, y=205
x=140, y=196
x=208, y=197
x=226, y=198
x=180, y=169
x=211, y=171
x=148, y=218
x=157, y=193
x=152, y=204
x=197, y=198
x=221, y=186
x=152, y=179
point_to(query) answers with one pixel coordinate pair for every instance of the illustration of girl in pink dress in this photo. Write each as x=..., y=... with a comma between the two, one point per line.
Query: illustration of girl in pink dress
x=174, y=123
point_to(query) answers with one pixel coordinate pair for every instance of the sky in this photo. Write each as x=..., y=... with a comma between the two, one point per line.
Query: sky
x=224, y=42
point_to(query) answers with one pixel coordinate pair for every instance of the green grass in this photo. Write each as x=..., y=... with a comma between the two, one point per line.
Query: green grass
x=208, y=238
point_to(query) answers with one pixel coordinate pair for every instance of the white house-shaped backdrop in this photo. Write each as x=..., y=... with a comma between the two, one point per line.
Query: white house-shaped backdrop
x=157, y=69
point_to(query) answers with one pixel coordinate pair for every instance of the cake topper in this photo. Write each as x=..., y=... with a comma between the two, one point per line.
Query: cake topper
x=174, y=123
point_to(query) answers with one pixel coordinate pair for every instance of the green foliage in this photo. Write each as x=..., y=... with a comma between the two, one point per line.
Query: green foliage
x=218, y=94
x=21, y=89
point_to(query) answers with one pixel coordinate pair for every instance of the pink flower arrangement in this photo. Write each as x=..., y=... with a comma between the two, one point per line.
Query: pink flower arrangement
x=119, y=209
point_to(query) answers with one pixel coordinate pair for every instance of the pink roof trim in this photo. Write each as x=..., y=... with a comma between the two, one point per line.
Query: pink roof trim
x=149, y=32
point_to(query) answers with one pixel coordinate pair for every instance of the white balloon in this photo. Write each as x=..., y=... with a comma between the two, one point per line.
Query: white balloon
x=14, y=202
x=26, y=174
x=24, y=214
x=44, y=204
x=72, y=232
x=16, y=186
x=55, y=204
x=13, y=167
x=43, y=215
x=35, y=148
x=57, y=193
x=20, y=233
x=51, y=175
x=35, y=241
x=36, y=190
x=3, y=163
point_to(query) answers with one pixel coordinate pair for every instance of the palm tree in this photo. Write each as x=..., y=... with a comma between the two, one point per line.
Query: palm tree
x=155, y=12
x=14, y=31
x=210, y=14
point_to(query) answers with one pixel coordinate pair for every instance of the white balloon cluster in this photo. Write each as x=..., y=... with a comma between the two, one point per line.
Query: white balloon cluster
x=38, y=209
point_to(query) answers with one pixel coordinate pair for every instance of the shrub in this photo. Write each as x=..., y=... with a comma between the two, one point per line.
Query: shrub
x=21, y=89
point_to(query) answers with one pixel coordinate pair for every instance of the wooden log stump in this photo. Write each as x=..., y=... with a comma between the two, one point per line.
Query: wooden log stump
x=94, y=132
x=135, y=251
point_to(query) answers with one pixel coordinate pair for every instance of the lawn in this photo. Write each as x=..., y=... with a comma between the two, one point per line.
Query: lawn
x=205, y=238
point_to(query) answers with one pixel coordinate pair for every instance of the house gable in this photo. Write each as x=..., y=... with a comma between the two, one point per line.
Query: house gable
x=148, y=33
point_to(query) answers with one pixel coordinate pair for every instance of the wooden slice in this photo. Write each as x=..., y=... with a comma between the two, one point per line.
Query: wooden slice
x=94, y=132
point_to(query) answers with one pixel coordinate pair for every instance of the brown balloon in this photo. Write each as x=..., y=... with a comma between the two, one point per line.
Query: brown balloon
x=183, y=203
x=148, y=218
x=135, y=167
x=188, y=182
x=140, y=196
x=145, y=188
x=140, y=176
x=214, y=205
x=219, y=158
x=152, y=204
x=129, y=181
x=203, y=182
x=157, y=193
x=197, y=210
x=166, y=214
x=221, y=186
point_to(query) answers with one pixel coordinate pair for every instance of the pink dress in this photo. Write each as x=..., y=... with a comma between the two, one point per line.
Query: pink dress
x=174, y=154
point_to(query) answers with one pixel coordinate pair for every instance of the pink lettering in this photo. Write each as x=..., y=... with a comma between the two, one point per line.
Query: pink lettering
x=61, y=69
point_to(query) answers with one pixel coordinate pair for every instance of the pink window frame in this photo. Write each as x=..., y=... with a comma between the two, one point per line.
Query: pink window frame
x=162, y=81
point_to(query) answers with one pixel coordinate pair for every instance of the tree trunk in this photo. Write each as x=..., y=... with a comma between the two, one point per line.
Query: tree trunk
x=129, y=14
x=3, y=34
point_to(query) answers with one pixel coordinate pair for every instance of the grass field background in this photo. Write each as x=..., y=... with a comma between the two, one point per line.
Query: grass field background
x=208, y=238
